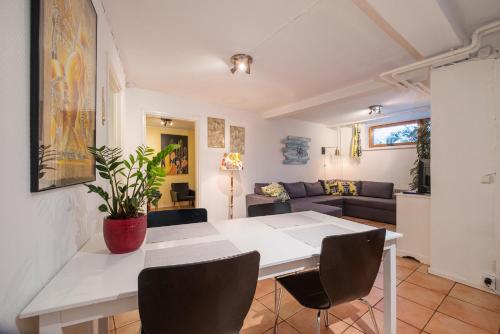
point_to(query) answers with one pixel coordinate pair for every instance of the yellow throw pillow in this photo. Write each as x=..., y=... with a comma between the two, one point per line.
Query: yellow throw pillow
x=276, y=190
x=347, y=188
x=331, y=188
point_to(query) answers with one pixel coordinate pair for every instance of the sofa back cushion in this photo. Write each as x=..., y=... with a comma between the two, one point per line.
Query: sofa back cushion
x=314, y=189
x=258, y=188
x=377, y=189
x=295, y=189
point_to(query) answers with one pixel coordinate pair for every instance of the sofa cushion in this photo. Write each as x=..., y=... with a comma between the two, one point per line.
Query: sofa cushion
x=377, y=189
x=295, y=189
x=258, y=188
x=314, y=189
x=276, y=190
x=371, y=202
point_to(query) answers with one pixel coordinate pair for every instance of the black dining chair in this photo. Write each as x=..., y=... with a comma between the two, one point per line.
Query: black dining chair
x=348, y=266
x=268, y=209
x=176, y=217
x=210, y=297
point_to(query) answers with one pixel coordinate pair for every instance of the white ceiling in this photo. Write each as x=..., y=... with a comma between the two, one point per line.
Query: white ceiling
x=301, y=48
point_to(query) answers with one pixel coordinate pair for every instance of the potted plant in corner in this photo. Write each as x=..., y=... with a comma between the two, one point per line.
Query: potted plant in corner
x=133, y=183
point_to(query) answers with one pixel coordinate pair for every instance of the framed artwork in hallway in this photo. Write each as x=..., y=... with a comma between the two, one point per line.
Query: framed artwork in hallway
x=177, y=162
x=63, y=92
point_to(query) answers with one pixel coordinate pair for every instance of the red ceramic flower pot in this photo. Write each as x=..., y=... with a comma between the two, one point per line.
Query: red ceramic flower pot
x=124, y=235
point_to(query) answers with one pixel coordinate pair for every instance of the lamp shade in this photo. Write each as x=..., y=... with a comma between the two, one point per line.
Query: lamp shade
x=231, y=161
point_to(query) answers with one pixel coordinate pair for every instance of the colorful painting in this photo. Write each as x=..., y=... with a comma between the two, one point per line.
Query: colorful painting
x=237, y=139
x=296, y=150
x=216, y=132
x=63, y=92
x=177, y=162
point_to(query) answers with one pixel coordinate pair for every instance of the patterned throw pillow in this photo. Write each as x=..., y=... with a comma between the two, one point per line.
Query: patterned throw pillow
x=331, y=187
x=347, y=188
x=276, y=190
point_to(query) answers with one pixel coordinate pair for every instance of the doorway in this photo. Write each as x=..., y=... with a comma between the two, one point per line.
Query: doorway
x=180, y=166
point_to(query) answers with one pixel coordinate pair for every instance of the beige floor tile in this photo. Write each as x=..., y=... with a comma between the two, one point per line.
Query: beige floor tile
x=111, y=323
x=477, y=297
x=379, y=281
x=289, y=306
x=410, y=312
x=424, y=268
x=375, y=295
x=419, y=295
x=352, y=330
x=264, y=287
x=258, y=320
x=112, y=332
x=284, y=328
x=366, y=324
x=133, y=328
x=471, y=314
x=403, y=272
x=349, y=312
x=443, y=324
x=407, y=263
x=126, y=318
x=432, y=282
x=305, y=322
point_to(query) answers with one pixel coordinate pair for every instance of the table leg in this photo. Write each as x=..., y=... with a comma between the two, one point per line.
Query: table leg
x=50, y=324
x=390, y=290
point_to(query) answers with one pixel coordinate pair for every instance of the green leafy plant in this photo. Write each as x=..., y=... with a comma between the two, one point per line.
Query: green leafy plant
x=134, y=182
x=423, y=150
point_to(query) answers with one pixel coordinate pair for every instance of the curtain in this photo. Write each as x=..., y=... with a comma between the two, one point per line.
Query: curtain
x=356, y=142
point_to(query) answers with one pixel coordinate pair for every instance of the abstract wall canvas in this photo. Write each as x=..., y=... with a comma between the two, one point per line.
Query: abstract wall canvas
x=296, y=150
x=237, y=139
x=63, y=92
x=216, y=132
x=178, y=161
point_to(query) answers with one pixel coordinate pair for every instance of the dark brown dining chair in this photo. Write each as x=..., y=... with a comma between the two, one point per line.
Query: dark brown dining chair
x=176, y=217
x=268, y=209
x=348, y=266
x=210, y=297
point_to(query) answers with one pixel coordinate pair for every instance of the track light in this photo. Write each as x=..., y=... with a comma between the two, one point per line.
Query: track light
x=375, y=109
x=166, y=122
x=241, y=62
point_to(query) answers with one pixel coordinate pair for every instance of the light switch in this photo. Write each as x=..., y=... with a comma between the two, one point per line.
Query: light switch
x=488, y=178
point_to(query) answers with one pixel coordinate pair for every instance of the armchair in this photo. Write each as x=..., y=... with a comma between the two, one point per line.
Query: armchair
x=180, y=192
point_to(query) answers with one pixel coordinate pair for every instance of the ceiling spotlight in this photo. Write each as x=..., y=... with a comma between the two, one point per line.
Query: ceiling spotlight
x=375, y=110
x=241, y=62
x=166, y=122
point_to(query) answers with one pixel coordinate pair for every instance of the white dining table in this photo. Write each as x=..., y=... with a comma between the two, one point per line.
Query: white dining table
x=95, y=284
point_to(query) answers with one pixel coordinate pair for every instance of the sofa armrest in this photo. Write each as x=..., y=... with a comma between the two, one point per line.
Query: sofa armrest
x=192, y=192
x=253, y=199
x=173, y=194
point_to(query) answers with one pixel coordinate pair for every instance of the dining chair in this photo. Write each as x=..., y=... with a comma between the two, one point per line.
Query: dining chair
x=205, y=298
x=348, y=266
x=268, y=209
x=176, y=217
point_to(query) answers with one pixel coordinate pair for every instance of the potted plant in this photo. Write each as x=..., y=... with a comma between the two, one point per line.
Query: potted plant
x=133, y=182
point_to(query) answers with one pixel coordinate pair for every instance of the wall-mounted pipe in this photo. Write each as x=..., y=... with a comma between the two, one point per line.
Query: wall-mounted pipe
x=393, y=77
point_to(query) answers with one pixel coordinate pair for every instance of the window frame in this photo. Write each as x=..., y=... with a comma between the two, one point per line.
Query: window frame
x=387, y=125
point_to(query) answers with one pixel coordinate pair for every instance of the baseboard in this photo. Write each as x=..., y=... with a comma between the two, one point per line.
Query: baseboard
x=461, y=280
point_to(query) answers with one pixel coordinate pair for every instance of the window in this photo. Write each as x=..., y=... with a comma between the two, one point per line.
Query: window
x=394, y=134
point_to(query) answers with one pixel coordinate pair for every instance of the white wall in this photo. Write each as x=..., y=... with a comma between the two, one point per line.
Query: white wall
x=381, y=164
x=38, y=232
x=263, y=157
x=465, y=109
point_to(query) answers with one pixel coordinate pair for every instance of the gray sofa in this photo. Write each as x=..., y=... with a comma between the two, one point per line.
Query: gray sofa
x=375, y=201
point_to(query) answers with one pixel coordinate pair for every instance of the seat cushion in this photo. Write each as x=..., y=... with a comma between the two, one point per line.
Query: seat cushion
x=371, y=202
x=295, y=189
x=308, y=204
x=377, y=189
x=306, y=288
x=186, y=198
x=314, y=189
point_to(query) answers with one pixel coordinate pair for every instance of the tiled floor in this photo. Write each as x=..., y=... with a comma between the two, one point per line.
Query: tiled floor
x=427, y=304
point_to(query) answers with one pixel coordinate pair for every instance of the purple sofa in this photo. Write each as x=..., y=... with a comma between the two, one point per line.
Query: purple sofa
x=375, y=201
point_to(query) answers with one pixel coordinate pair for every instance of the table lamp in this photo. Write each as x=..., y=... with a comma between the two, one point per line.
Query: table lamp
x=231, y=162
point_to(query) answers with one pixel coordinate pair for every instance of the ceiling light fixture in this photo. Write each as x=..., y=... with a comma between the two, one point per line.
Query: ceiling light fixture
x=241, y=62
x=166, y=122
x=375, y=110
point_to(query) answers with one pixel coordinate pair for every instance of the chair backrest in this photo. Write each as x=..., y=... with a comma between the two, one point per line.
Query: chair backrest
x=204, y=298
x=349, y=264
x=268, y=209
x=176, y=217
x=180, y=187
